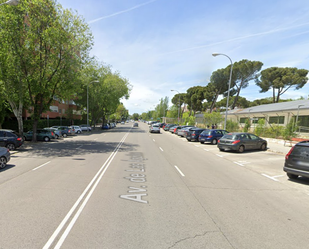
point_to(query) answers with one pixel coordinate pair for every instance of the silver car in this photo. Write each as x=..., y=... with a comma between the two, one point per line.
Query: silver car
x=154, y=128
x=5, y=157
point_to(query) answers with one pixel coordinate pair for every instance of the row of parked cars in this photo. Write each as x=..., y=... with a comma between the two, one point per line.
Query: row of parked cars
x=235, y=141
x=10, y=140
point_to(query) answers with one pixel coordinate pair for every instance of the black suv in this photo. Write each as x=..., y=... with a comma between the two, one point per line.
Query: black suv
x=297, y=160
x=10, y=139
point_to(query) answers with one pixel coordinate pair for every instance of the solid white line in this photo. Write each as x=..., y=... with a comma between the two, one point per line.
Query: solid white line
x=161, y=149
x=179, y=170
x=41, y=165
x=66, y=218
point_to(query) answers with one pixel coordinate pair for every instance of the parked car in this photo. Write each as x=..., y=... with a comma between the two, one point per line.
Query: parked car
x=56, y=131
x=154, y=128
x=135, y=125
x=65, y=130
x=183, y=131
x=174, y=128
x=10, y=140
x=41, y=135
x=76, y=128
x=85, y=128
x=5, y=157
x=105, y=126
x=168, y=126
x=193, y=134
x=211, y=136
x=241, y=141
x=297, y=161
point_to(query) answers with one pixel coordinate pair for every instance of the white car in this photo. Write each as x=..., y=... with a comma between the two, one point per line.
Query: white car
x=154, y=128
x=84, y=127
x=77, y=129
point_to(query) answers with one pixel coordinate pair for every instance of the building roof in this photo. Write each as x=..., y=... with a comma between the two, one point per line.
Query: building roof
x=274, y=107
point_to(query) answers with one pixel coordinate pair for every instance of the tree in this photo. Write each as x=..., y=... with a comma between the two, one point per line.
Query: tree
x=213, y=118
x=281, y=79
x=217, y=86
x=195, y=98
x=243, y=72
x=48, y=46
x=178, y=100
x=135, y=116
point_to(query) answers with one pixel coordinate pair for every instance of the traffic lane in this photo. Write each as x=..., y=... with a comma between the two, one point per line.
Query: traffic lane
x=142, y=202
x=251, y=210
x=35, y=202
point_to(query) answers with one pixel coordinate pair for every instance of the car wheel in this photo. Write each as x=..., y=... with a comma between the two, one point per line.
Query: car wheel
x=78, y=132
x=201, y=142
x=241, y=149
x=214, y=141
x=10, y=146
x=46, y=139
x=57, y=137
x=221, y=149
x=2, y=162
x=25, y=139
x=292, y=176
x=65, y=135
x=263, y=147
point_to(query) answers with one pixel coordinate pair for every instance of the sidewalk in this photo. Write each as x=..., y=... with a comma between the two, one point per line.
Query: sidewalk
x=278, y=146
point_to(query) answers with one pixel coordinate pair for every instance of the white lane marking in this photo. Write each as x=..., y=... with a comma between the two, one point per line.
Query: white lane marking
x=242, y=163
x=41, y=165
x=161, y=149
x=219, y=155
x=179, y=170
x=93, y=184
x=95, y=139
x=272, y=177
x=153, y=140
x=206, y=150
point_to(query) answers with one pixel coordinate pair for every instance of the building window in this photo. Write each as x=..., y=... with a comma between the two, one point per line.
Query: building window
x=255, y=120
x=243, y=120
x=276, y=120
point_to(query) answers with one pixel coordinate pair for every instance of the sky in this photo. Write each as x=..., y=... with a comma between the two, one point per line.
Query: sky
x=164, y=45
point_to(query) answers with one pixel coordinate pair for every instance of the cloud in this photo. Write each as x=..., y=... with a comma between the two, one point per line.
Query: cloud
x=121, y=12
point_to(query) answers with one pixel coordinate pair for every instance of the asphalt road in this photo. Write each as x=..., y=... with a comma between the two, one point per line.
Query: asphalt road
x=127, y=188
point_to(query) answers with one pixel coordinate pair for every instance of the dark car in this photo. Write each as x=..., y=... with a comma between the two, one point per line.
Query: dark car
x=168, y=126
x=10, y=139
x=41, y=135
x=211, y=135
x=193, y=134
x=241, y=141
x=5, y=157
x=297, y=160
x=135, y=125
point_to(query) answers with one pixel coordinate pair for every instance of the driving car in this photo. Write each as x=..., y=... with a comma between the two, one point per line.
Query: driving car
x=211, y=135
x=154, y=128
x=297, y=161
x=241, y=141
x=9, y=139
x=5, y=157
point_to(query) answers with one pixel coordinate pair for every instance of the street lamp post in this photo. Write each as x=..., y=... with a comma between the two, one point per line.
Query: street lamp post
x=94, y=81
x=297, y=116
x=178, y=102
x=11, y=2
x=228, y=93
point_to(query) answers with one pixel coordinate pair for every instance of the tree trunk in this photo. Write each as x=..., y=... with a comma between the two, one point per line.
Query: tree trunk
x=18, y=112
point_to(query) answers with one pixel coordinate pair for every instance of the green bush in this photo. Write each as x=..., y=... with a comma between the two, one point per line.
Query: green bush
x=232, y=126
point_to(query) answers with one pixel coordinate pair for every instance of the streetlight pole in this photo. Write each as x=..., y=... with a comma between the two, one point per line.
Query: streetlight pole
x=11, y=2
x=178, y=102
x=94, y=81
x=297, y=116
x=228, y=93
